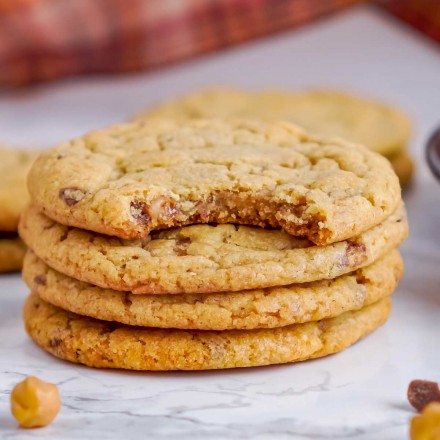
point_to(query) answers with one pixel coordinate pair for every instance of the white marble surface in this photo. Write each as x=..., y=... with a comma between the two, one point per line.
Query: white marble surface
x=358, y=394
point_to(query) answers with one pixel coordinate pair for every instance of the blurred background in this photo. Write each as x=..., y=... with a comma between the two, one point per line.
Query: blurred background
x=69, y=66
x=43, y=40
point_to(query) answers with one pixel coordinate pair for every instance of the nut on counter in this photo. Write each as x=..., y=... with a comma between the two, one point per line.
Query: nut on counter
x=35, y=403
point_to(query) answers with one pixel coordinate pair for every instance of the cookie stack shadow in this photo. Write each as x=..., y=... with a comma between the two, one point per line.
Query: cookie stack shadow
x=129, y=269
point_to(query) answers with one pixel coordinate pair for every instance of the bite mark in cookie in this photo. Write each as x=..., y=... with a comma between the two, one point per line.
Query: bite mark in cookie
x=145, y=176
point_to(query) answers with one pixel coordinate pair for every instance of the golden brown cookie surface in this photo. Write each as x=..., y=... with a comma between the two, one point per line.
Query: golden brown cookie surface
x=130, y=179
x=249, y=309
x=376, y=125
x=108, y=345
x=203, y=258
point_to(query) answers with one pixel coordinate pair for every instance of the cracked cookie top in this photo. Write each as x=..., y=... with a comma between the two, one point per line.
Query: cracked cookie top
x=131, y=179
x=374, y=124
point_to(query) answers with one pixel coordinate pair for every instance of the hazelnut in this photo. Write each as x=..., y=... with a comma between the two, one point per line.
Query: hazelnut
x=35, y=403
x=426, y=426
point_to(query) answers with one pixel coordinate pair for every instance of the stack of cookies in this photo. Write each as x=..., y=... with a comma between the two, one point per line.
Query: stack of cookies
x=166, y=245
x=14, y=167
x=376, y=125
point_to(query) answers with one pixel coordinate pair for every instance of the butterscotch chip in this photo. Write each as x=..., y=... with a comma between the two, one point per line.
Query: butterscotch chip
x=35, y=403
x=131, y=179
x=14, y=166
x=203, y=258
x=426, y=426
x=109, y=345
x=263, y=308
x=12, y=251
x=378, y=126
x=422, y=392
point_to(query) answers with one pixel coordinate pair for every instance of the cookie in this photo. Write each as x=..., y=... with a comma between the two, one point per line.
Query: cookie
x=249, y=309
x=12, y=251
x=329, y=113
x=14, y=167
x=203, y=258
x=108, y=345
x=131, y=179
x=404, y=167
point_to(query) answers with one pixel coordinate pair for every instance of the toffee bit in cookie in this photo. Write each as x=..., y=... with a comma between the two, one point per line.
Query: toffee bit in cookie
x=426, y=426
x=181, y=246
x=55, y=342
x=71, y=196
x=139, y=212
x=423, y=392
x=35, y=403
x=40, y=280
x=355, y=254
x=182, y=241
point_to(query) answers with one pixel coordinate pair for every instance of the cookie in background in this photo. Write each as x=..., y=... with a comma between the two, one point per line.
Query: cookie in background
x=14, y=166
x=377, y=125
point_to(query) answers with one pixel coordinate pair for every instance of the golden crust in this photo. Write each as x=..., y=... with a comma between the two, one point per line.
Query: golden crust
x=203, y=258
x=108, y=345
x=249, y=309
x=130, y=179
x=376, y=125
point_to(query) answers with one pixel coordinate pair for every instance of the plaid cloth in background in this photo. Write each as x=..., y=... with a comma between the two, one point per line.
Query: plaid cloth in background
x=424, y=15
x=42, y=40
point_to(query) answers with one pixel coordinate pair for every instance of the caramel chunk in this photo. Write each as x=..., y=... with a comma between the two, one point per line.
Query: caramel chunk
x=355, y=254
x=138, y=210
x=422, y=392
